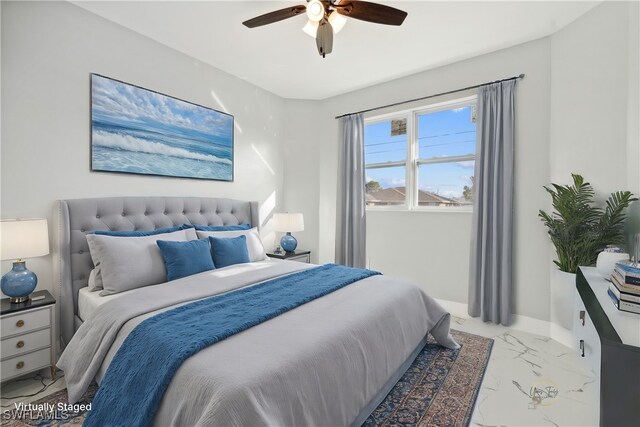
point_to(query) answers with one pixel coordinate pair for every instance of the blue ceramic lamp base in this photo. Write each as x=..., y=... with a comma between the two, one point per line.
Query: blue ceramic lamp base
x=288, y=243
x=18, y=283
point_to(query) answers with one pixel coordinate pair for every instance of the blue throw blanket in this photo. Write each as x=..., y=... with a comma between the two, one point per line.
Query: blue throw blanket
x=143, y=367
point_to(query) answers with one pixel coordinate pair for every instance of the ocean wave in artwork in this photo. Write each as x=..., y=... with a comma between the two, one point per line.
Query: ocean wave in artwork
x=137, y=145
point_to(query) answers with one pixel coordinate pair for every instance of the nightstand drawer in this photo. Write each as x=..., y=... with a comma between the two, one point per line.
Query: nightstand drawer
x=25, y=363
x=21, y=344
x=25, y=321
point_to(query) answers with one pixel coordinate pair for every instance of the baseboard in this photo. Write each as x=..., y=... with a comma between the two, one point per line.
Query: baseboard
x=457, y=309
x=521, y=323
x=531, y=325
x=562, y=335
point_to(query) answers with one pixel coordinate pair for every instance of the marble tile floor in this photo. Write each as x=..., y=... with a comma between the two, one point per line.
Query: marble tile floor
x=30, y=388
x=530, y=381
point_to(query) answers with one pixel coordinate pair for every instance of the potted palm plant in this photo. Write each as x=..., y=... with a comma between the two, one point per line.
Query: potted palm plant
x=579, y=229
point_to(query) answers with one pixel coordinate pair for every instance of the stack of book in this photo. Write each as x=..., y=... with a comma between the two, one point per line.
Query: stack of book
x=624, y=288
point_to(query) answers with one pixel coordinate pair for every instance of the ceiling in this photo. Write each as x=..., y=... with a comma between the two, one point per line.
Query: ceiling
x=282, y=59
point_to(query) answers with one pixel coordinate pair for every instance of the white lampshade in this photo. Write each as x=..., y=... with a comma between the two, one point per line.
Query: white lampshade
x=288, y=222
x=315, y=10
x=337, y=21
x=23, y=238
x=311, y=28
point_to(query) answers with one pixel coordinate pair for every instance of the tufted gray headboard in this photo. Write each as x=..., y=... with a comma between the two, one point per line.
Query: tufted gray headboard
x=74, y=218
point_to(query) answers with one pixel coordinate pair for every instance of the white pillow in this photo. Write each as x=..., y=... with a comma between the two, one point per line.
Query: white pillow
x=95, y=280
x=254, y=244
x=126, y=263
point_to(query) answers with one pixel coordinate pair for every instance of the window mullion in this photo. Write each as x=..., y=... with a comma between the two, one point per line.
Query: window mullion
x=384, y=165
x=412, y=184
x=448, y=159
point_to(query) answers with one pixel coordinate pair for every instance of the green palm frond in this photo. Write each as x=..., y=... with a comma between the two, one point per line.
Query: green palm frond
x=578, y=228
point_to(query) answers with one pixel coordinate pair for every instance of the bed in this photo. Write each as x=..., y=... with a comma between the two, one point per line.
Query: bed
x=330, y=361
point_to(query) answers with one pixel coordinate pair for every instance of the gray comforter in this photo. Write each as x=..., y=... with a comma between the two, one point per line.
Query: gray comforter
x=319, y=364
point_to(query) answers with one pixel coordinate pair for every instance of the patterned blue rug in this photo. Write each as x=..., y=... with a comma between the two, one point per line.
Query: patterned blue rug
x=440, y=388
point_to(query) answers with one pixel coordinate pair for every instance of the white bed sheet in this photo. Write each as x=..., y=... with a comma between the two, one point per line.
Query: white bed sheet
x=88, y=302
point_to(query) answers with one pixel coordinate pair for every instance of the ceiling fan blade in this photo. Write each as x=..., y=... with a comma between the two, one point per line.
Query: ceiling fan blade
x=278, y=15
x=324, y=38
x=371, y=12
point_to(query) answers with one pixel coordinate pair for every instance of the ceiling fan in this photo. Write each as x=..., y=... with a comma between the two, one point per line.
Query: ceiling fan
x=327, y=17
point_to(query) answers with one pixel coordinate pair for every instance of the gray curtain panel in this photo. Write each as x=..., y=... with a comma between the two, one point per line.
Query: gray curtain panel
x=350, y=224
x=491, y=266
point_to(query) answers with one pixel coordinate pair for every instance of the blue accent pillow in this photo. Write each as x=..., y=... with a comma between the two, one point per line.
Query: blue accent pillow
x=222, y=227
x=183, y=259
x=229, y=251
x=143, y=233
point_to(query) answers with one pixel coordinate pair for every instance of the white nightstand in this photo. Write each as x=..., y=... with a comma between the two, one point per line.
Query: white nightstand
x=28, y=336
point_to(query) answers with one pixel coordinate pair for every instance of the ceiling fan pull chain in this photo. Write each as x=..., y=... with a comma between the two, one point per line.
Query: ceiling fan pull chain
x=324, y=38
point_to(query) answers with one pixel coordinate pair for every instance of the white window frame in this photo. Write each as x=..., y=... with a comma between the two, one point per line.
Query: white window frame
x=413, y=162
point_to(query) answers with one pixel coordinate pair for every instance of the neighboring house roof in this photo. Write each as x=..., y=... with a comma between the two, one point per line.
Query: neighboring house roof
x=388, y=195
x=369, y=198
x=428, y=197
x=397, y=195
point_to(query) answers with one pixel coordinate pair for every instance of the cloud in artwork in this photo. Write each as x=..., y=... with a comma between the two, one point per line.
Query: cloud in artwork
x=112, y=99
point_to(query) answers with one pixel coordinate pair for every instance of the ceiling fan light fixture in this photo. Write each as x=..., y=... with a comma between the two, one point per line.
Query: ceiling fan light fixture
x=328, y=17
x=337, y=22
x=311, y=28
x=315, y=10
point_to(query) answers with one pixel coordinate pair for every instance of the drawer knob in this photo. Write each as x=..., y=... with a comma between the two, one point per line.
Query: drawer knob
x=20, y=344
x=582, y=316
x=582, y=348
x=20, y=365
x=20, y=323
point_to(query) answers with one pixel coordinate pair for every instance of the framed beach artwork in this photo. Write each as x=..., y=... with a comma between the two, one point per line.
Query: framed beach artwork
x=139, y=131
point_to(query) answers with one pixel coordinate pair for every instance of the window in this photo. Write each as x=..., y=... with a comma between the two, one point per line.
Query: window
x=429, y=151
x=385, y=154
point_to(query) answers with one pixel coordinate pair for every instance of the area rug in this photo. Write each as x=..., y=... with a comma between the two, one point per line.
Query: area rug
x=439, y=389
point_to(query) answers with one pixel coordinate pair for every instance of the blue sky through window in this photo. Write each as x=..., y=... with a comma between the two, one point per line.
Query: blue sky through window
x=440, y=134
x=446, y=133
x=380, y=146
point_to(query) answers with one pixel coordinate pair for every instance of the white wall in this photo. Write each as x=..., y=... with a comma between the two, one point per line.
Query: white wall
x=301, y=151
x=433, y=248
x=589, y=98
x=594, y=114
x=48, y=51
x=633, y=105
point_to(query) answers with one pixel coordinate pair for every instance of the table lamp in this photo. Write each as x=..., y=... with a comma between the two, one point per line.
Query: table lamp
x=287, y=223
x=22, y=238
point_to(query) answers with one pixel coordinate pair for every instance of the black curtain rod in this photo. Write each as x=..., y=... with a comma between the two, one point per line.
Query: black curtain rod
x=521, y=76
